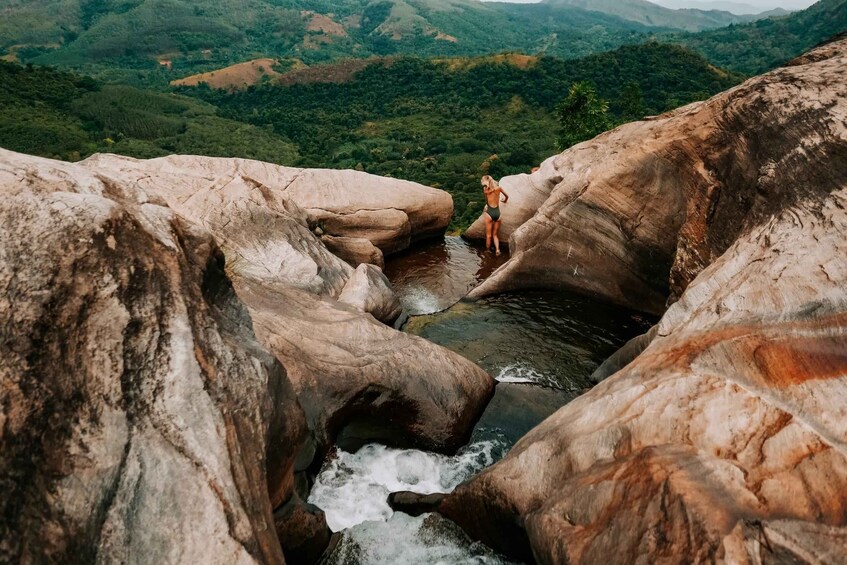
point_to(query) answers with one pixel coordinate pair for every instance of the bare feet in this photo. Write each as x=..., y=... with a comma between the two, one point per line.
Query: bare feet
x=497, y=253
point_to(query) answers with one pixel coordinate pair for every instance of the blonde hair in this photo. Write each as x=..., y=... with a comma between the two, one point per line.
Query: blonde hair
x=488, y=182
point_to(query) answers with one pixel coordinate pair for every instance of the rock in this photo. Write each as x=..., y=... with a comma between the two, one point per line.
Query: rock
x=359, y=380
x=623, y=356
x=263, y=231
x=117, y=252
x=141, y=419
x=303, y=531
x=390, y=213
x=370, y=291
x=354, y=250
x=637, y=213
x=355, y=377
x=414, y=504
x=725, y=440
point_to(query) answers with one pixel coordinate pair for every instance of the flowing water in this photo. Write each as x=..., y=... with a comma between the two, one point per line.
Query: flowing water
x=541, y=347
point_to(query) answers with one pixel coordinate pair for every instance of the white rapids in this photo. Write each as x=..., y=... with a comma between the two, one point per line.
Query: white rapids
x=353, y=488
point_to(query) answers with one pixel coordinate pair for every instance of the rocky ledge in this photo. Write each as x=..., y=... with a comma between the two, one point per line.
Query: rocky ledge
x=725, y=439
x=178, y=347
x=635, y=214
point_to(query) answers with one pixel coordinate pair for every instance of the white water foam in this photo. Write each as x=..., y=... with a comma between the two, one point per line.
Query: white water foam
x=425, y=540
x=521, y=373
x=419, y=301
x=353, y=488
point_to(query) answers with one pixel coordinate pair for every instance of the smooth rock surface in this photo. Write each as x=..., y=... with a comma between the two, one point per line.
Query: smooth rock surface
x=349, y=205
x=726, y=439
x=354, y=250
x=351, y=373
x=184, y=432
x=370, y=291
x=390, y=213
x=637, y=213
x=140, y=418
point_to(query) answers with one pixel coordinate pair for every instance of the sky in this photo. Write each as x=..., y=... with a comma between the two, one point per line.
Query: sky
x=761, y=4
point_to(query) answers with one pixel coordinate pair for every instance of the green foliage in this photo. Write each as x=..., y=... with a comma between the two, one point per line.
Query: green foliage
x=582, y=115
x=763, y=45
x=447, y=123
x=123, y=40
x=60, y=115
x=631, y=103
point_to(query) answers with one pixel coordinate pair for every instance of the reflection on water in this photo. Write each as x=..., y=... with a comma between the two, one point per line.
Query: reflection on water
x=552, y=339
x=438, y=274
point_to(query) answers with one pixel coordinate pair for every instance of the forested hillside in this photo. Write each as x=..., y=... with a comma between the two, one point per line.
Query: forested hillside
x=763, y=45
x=446, y=123
x=55, y=114
x=651, y=14
x=152, y=42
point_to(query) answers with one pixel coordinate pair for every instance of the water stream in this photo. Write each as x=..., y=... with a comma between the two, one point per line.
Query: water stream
x=541, y=347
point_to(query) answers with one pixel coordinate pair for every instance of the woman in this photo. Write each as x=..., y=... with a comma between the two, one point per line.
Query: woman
x=492, y=192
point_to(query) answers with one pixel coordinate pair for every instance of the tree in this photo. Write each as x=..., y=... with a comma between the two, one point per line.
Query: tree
x=582, y=115
x=632, y=102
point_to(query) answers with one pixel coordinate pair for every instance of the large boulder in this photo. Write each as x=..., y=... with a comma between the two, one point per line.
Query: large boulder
x=726, y=438
x=140, y=418
x=354, y=376
x=636, y=213
x=369, y=290
x=350, y=206
x=390, y=213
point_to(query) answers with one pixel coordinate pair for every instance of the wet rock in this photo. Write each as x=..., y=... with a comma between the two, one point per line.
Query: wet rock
x=637, y=213
x=140, y=416
x=303, y=532
x=370, y=291
x=360, y=380
x=414, y=504
x=724, y=440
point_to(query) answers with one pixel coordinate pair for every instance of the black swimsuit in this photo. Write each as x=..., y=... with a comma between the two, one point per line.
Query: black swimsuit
x=493, y=212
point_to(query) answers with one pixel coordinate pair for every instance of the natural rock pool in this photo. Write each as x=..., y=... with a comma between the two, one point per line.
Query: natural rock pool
x=541, y=347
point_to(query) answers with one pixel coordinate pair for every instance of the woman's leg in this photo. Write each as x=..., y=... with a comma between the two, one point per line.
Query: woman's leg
x=488, y=228
x=495, y=229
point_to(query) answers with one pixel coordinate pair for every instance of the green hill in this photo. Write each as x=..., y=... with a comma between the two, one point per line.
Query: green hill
x=445, y=123
x=153, y=42
x=156, y=41
x=648, y=13
x=765, y=44
x=60, y=115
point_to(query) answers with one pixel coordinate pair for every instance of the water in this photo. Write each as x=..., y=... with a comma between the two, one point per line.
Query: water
x=404, y=540
x=435, y=276
x=541, y=347
x=353, y=488
x=550, y=339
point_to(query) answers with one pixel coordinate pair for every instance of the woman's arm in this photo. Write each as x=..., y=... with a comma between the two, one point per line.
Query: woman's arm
x=503, y=192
